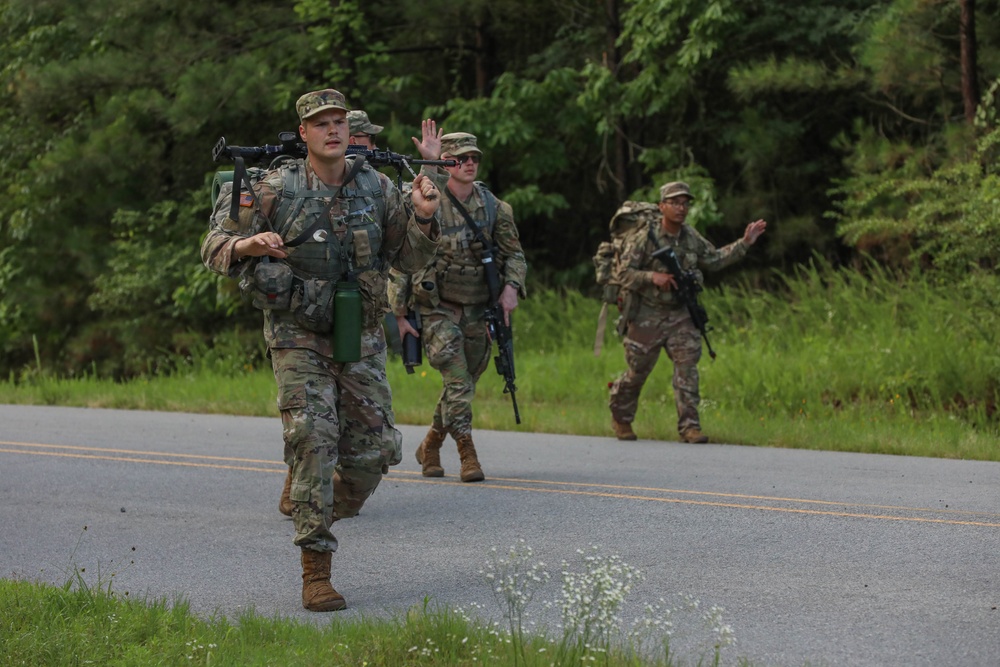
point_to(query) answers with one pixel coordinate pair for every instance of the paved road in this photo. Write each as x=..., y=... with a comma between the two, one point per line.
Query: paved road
x=830, y=558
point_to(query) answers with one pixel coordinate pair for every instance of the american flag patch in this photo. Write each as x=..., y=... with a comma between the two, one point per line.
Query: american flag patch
x=246, y=199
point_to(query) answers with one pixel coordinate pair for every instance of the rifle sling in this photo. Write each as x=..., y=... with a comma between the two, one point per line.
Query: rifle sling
x=656, y=244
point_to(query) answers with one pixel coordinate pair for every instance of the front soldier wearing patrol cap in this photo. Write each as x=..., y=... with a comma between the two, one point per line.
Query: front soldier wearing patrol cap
x=451, y=294
x=655, y=320
x=363, y=131
x=330, y=226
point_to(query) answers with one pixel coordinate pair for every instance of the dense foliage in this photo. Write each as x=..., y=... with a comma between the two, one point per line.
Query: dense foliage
x=841, y=123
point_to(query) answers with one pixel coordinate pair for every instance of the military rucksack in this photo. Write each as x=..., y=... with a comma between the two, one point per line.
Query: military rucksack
x=629, y=216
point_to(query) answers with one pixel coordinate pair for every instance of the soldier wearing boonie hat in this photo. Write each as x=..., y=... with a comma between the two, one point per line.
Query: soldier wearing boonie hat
x=362, y=130
x=451, y=294
x=653, y=319
x=339, y=435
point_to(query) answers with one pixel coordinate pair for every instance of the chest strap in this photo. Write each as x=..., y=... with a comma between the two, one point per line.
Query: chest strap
x=306, y=233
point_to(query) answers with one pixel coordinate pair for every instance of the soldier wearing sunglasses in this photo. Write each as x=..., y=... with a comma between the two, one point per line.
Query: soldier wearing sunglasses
x=451, y=293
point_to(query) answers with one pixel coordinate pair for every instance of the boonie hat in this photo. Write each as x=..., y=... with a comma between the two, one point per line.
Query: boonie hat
x=312, y=103
x=459, y=143
x=675, y=189
x=359, y=123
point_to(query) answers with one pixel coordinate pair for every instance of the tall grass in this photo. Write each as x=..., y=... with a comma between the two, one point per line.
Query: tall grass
x=830, y=360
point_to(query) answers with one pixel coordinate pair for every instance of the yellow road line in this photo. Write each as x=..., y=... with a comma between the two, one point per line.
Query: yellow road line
x=134, y=451
x=519, y=484
x=137, y=460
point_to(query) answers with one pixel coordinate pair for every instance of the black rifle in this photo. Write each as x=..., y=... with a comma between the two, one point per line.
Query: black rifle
x=271, y=155
x=377, y=158
x=499, y=331
x=291, y=148
x=687, y=291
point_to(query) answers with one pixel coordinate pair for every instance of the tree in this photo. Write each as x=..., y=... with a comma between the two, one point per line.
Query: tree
x=967, y=37
x=106, y=107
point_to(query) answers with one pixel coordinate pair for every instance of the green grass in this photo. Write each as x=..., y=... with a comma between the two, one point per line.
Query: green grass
x=44, y=625
x=833, y=361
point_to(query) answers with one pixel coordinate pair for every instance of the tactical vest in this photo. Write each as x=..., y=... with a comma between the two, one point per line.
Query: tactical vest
x=458, y=267
x=348, y=243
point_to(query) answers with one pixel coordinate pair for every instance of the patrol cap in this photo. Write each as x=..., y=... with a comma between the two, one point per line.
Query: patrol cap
x=312, y=103
x=359, y=123
x=675, y=189
x=459, y=143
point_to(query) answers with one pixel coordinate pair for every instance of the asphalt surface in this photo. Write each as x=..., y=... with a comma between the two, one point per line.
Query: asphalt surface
x=817, y=557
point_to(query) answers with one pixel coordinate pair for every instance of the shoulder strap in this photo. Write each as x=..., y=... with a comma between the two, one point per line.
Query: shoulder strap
x=241, y=178
x=652, y=237
x=490, y=201
x=375, y=186
x=306, y=233
x=292, y=180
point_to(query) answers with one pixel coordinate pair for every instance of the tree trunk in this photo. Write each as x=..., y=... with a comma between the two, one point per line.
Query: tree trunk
x=485, y=56
x=967, y=38
x=619, y=148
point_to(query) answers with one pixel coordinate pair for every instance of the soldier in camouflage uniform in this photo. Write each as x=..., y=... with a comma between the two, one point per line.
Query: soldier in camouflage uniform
x=451, y=294
x=655, y=320
x=325, y=219
x=363, y=131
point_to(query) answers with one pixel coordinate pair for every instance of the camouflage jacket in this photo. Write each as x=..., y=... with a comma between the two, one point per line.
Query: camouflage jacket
x=695, y=253
x=402, y=246
x=457, y=254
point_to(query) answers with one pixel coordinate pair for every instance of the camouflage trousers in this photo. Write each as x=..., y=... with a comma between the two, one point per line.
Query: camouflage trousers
x=460, y=351
x=340, y=437
x=645, y=336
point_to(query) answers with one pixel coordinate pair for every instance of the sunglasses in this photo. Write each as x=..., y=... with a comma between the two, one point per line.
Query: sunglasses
x=462, y=159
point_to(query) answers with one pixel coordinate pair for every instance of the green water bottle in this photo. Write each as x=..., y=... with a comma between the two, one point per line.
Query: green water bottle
x=347, y=322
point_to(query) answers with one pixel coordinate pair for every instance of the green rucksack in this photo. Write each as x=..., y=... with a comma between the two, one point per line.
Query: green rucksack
x=629, y=216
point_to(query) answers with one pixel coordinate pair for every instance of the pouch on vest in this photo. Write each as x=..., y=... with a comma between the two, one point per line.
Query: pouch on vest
x=375, y=302
x=272, y=285
x=425, y=292
x=463, y=284
x=312, y=305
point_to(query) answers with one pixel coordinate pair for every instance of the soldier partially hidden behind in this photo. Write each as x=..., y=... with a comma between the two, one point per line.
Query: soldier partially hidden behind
x=363, y=131
x=655, y=320
x=326, y=227
x=451, y=294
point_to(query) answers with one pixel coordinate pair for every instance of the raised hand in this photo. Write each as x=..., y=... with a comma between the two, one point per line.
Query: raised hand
x=430, y=142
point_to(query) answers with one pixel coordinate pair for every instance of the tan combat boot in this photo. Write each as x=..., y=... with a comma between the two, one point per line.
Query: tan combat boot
x=694, y=436
x=471, y=472
x=623, y=430
x=285, y=503
x=429, y=453
x=317, y=593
